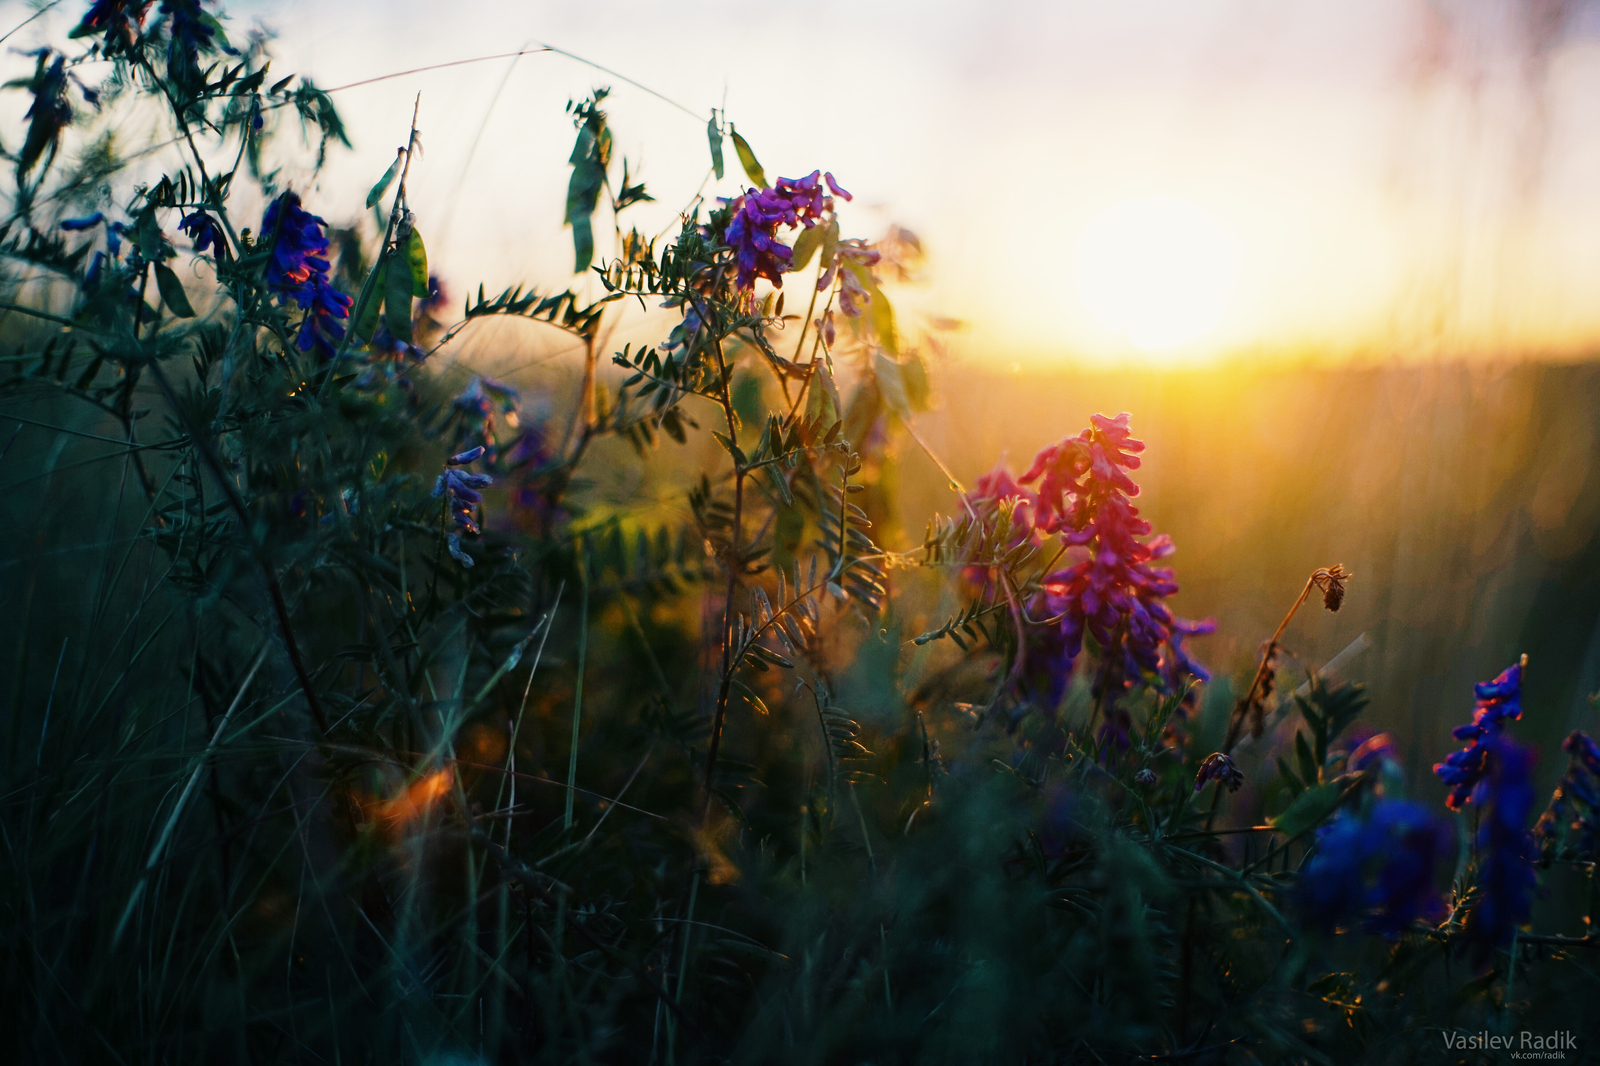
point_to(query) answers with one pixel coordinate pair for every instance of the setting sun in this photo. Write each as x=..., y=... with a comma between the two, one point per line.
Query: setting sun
x=1156, y=272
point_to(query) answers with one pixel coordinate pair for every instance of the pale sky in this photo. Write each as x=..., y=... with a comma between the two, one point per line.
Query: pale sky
x=1381, y=178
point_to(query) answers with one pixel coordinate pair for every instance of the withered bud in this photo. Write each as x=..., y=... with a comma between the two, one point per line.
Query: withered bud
x=1146, y=777
x=1331, y=581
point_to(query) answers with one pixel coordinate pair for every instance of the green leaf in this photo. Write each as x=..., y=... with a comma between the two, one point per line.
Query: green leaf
x=714, y=135
x=417, y=258
x=367, y=325
x=806, y=245
x=172, y=293
x=1310, y=769
x=914, y=372
x=788, y=530
x=891, y=384
x=1308, y=811
x=397, y=298
x=387, y=180
x=590, y=155
x=1291, y=779
x=822, y=399
x=747, y=159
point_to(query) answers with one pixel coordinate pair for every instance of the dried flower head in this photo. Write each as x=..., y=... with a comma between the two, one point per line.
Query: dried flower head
x=1332, y=581
x=1145, y=777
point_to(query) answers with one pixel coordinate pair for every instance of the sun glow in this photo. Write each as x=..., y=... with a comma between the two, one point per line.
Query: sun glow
x=1157, y=273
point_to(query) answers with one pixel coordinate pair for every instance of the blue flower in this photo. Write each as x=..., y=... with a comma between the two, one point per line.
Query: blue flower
x=1505, y=852
x=461, y=491
x=1382, y=867
x=298, y=271
x=1575, y=804
x=1497, y=700
x=206, y=232
x=1221, y=769
x=87, y=222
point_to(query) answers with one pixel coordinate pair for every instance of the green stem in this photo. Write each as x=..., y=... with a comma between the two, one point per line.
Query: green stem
x=577, y=698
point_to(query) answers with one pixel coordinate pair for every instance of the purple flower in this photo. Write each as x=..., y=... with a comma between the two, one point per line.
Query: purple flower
x=1498, y=700
x=298, y=271
x=1575, y=804
x=461, y=492
x=1219, y=768
x=206, y=233
x=1505, y=873
x=1382, y=866
x=1111, y=591
x=1371, y=753
x=753, y=231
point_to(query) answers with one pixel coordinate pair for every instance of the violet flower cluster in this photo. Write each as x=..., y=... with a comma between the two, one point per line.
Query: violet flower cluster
x=298, y=271
x=478, y=403
x=1464, y=771
x=461, y=491
x=1381, y=867
x=753, y=230
x=1221, y=769
x=1574, y=808
x=1112, y=591
x=206, y=232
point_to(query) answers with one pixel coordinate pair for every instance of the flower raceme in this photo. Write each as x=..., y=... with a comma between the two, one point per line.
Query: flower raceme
x=298, y=271
x=1465, y=770
x=460, y=489
x=755, y=217
x=1111, y=592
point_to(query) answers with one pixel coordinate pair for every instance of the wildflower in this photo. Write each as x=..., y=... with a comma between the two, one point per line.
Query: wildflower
x=478, y=403
x=1575, y=804
x=298, y=271
x=753, y=231
x=989, y=496
x=461, y=492
x=851, y=258
x=1504, y=847
x=1371, y=753
x=87, y=222
x=1498, y=700
x=1219, y=768
x=119, y=21
x=1145, y=777
x=437, y=297
x=1382, y=866
x=205, y=231
x=1112, y=592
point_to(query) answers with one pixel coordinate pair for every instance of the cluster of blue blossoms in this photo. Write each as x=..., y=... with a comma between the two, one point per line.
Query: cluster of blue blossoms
x=298, y=271
x=460, y=489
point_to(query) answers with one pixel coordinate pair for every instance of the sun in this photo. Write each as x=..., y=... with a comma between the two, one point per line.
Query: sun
x=1156, y=272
